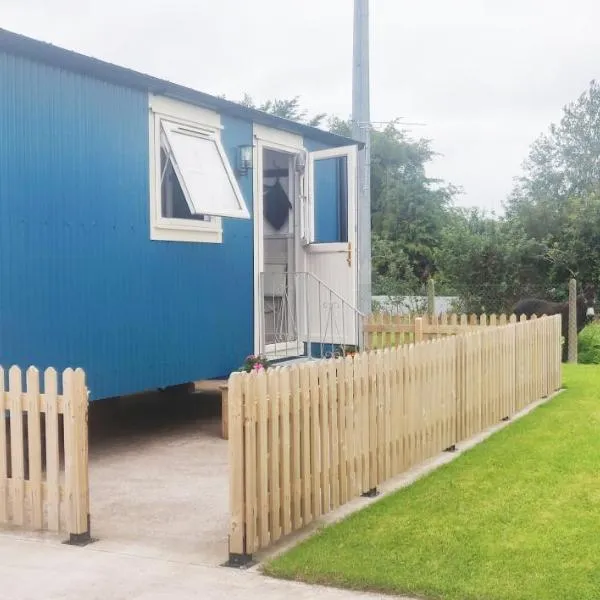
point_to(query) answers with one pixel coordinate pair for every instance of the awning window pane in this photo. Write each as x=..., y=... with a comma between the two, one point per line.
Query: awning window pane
x=202, y=173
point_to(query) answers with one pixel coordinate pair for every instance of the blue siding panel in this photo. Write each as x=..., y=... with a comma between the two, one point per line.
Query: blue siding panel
x=81, y=283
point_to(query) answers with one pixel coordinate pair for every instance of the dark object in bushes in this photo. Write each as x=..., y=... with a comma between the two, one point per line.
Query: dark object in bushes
x=538, y=307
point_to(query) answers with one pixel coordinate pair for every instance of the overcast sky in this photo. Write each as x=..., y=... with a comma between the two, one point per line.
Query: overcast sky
x=485, y=77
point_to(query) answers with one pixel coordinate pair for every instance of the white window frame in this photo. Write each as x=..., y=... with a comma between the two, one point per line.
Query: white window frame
x=350, y=153
x=205, y=121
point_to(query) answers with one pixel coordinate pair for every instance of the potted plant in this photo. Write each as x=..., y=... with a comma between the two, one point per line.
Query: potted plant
x=255, y=363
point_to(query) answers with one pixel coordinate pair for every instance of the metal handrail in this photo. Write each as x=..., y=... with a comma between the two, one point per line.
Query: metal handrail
x=293, y=314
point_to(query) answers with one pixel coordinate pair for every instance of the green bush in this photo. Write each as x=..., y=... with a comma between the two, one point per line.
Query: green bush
x=588, y=346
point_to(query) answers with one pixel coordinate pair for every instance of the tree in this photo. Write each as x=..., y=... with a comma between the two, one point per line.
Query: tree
x=577, y=252
x=287, y=109
x=563, y=163
x=555, y=200
x=407, y=206
x=489, y=263
x=408, y=209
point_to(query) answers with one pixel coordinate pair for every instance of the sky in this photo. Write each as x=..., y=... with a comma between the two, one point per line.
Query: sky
x=481, y=79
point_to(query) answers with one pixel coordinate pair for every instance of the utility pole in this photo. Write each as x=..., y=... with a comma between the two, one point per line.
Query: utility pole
x=361, y=123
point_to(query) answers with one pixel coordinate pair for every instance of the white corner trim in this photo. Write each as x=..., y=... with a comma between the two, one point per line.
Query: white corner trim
x=278, y=139
x=182, y=111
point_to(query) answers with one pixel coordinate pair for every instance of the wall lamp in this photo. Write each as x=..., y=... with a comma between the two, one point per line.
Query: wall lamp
x=244, y=159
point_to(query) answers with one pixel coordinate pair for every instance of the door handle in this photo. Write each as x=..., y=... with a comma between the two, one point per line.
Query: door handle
x=349, y=256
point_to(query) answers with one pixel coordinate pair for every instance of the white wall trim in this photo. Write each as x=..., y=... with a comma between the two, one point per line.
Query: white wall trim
x=278, y=139
x=178, y=110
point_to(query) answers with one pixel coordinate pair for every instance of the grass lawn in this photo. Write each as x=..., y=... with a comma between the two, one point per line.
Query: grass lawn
x=516, y=518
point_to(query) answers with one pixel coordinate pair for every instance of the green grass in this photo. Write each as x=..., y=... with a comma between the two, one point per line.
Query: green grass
x=516, y=518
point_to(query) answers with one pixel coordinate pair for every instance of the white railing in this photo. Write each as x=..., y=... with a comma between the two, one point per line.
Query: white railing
x=302, y=316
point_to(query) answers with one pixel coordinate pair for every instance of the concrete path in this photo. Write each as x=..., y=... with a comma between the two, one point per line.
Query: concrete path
x=35, y=569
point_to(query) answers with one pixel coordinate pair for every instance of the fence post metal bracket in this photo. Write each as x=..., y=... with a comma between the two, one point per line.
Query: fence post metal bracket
x=239, y=561
x=81, y=539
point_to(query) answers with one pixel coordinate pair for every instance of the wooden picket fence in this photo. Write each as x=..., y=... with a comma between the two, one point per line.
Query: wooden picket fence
x=383, y=330
x=44, y=481
x=307, y=438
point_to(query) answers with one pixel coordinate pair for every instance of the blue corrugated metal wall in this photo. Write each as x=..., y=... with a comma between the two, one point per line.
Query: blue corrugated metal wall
x=81, y=283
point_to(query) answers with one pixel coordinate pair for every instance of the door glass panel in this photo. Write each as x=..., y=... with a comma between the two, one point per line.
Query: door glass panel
x=330, y=200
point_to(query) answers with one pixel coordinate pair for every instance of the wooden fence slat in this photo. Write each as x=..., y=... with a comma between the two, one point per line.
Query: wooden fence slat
x=486, y=383
x=34, y=436
x=334, y=434
x=250, y=462
x=342, y=420
x=414, y=404
x=443, y=349
x=352, y=429
x=420, y=400
x=3, y=453
x=451, y=374
x=427, y=393
x=439, y=399
x=395, y=422
x=419, y=329
x=474, y=384
x=365, y=419
x=389, y=414
x=372, y=403
x=76, y=465
x=461, y=400
x=296, y=475
x=236, y=464
x=316, y=425
x=454, y=385
x=387, y=338
x=404, y=381
x=275, y=456
x=368, y=334
x=287, y=452
x=325, y=440
x=52, y=449
x=410, y=393
x=17, y=489
x=380, y=378
x=262, y=445
x=306, y=437
x=469, y=379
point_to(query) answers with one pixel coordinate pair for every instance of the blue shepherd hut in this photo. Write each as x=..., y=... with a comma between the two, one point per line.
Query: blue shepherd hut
x=155, y=235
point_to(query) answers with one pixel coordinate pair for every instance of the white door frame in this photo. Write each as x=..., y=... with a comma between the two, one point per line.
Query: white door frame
x=266, y=138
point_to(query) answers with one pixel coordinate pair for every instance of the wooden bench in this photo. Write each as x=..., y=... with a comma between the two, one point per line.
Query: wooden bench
x=217, y=386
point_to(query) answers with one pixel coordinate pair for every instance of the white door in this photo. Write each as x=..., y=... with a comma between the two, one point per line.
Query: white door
x=329, y=233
